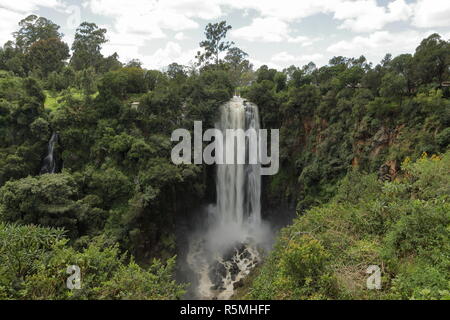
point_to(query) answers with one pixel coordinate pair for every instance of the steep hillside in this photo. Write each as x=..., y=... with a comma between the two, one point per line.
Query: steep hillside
x=401, y=226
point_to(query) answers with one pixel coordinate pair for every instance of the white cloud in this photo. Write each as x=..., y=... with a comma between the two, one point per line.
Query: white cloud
x=134, y=22
x=138, y=21
x=304, y=41
x=180, y=36
x=356, y=15
x=300, y=39
x=11, y=13
x=283, y=57
x=273, y=24
x=125, y=52
x=203, y=9
x=126, y=45
x=269, y=30
x=258, y=63
x=263, y=29
x=287, y=59
x=149, y=19
x=366, y=15
x=432, y=13
x=286, y=10
x=171, y=52
x=375, y=45
x=27, y=6
x=8, y=24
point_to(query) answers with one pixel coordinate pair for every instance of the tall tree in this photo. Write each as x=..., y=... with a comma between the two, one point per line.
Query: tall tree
x=110, y=63
x=404, y=65
x=176, y=71
x=87, y=45
x=134, y=63
x=86, y=80
x=215, y=42
x=240, y=67
x=12, y=59
x=48, y=55
x=235, y=56
x=432, y=59
x=33, y=29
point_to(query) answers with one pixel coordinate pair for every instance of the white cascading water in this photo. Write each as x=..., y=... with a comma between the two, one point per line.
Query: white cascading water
x=49, y=162
x=224, y=254
x=239, y=185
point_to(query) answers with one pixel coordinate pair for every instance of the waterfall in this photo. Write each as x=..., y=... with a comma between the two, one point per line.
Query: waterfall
x=239, y=185
x=226, y=248
x=49, y=162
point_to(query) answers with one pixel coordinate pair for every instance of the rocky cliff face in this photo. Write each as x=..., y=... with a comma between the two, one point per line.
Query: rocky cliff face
x=316, y=153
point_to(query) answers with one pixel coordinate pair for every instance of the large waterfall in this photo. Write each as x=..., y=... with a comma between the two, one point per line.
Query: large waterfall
x=225, y=253
x=239, y=185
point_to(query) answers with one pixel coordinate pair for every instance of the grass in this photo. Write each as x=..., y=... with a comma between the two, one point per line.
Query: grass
x=52, y=99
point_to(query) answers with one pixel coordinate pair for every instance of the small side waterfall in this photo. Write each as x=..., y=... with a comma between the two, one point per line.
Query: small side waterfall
x=226, y=252
x=49, y=162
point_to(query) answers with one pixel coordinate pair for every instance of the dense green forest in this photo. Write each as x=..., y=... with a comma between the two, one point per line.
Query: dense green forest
x=364, y=163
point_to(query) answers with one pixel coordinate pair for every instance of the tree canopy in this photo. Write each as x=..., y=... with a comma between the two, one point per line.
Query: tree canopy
x=215, y=43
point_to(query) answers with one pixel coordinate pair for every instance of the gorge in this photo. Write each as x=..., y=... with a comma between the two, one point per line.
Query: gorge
x=227, y=249
x=86, y=176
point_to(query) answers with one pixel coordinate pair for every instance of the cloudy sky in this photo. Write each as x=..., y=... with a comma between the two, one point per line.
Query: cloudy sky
x=278, y=33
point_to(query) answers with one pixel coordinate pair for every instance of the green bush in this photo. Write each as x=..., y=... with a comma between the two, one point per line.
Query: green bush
x=34, y=261
x=402, y=226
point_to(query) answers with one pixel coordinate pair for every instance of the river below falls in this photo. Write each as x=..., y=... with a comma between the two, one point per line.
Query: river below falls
x=218, y=275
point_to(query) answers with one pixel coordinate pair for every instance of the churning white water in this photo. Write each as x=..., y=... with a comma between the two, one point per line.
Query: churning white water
x=227, y=251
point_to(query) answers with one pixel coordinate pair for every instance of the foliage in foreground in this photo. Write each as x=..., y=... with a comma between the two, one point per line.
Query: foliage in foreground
x=401, y=226
x=34, y=261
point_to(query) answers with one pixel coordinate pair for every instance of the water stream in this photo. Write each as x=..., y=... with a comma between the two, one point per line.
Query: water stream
x=49, y=162
x=224, y=253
